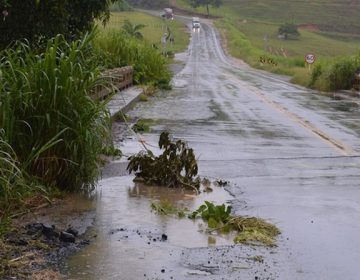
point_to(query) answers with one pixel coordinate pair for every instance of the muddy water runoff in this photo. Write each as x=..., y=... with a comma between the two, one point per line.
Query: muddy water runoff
x=291, y=156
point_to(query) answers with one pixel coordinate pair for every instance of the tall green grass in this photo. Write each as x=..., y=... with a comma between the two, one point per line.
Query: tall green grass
x=335, y=75
x=54, y=128
x=12, y=182
x=115, y=49
x=52, y=132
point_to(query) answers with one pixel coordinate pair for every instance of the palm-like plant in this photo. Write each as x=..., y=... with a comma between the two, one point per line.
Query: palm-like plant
x=133, y=30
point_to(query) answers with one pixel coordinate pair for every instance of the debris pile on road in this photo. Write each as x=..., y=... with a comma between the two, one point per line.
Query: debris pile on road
x=175, y=167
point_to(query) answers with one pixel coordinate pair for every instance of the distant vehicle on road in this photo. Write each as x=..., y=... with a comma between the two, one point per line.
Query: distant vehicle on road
x=196, y=23
x=168, y=14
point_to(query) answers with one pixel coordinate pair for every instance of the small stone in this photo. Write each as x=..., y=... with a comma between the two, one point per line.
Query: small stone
x=164, y=237
x=72, y=231
x=163, y=271
x=33, y=228
x=66, y=237
x=49, y=231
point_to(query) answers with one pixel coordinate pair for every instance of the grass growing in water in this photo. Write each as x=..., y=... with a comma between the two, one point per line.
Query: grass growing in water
x=250, y=230
x=164, y=207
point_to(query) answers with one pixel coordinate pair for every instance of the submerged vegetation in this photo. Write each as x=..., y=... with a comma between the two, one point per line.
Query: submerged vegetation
x=249, y=230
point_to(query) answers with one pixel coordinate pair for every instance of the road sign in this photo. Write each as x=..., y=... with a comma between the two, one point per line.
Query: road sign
x=310, y=58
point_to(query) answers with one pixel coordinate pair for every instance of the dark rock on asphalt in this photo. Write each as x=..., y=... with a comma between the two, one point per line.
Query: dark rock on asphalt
x=67, y=237
x=49, y=231
x=72, y=231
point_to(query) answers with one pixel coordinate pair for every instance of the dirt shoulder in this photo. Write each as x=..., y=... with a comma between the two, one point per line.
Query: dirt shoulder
x=38, y=241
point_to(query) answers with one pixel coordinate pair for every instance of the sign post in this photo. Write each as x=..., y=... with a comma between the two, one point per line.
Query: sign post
x=310, y=59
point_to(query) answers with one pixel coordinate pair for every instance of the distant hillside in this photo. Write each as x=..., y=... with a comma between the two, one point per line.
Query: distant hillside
x=149, y=4
x=327, y=15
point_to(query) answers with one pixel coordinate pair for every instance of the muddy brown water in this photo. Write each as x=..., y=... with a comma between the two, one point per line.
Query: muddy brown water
x=127, y=231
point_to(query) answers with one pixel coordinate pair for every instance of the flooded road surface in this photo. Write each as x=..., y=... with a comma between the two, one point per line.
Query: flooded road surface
x=292, y=157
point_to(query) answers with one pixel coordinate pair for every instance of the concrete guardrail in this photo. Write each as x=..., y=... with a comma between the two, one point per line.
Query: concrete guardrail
x=121, y=78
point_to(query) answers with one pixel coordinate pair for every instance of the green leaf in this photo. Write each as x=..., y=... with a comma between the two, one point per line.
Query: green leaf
x=212, y=223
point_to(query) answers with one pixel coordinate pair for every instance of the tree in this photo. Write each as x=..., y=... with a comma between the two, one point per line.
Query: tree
x=34, y=19
x=132, y=30
x=207, y=3
x=288, y=30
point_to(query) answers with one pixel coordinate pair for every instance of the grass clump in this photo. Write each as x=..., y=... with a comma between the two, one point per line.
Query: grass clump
x=52, y=131
x=164, y=207
x=142, y=126
x=111, y=150
x=175, y=167
x=336, y=75
x=53, y=126
x=251, y=230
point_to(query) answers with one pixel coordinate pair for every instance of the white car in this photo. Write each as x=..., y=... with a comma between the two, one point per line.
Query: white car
x=196, y=23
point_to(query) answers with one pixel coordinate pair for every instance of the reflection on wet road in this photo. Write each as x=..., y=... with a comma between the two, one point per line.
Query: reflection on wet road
x=292, y=156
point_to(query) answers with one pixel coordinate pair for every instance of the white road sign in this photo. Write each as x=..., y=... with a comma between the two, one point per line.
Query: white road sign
x=310, y=58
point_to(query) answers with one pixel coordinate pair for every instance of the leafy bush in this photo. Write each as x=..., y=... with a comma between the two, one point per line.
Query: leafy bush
x=215, y=215
x=341, y=74
x=336, y=75
x=175, y=167
x=288, y=30
x=54, y=127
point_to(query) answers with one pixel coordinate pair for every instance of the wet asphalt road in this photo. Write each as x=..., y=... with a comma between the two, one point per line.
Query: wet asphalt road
x=292, y=156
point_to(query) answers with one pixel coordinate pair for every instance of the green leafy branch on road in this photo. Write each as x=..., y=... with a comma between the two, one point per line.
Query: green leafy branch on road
x=175, y=167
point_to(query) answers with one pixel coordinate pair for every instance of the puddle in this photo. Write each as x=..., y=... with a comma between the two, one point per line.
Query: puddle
x=129, y=234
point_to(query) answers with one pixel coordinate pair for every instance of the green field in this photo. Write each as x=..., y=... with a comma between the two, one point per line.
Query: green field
x=154, y=28
x=329, y=29
x=328, y=15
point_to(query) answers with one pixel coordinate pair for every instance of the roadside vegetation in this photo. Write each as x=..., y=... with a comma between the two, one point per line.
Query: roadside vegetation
x=328, y=30
x=52, y=132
